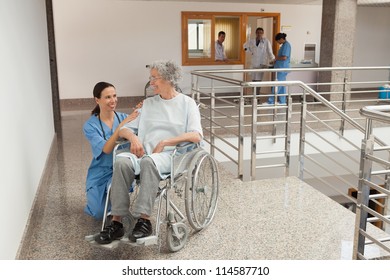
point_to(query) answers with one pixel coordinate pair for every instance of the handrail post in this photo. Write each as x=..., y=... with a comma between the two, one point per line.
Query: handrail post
x=288, y=132
x=212, y=108
x=343, y=104
x=276, y=89
x=254, y=137
x=302, y=131
x=363, y=191
x=241, y=134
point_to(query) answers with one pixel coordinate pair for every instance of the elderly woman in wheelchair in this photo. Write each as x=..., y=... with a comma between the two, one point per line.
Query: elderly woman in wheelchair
x=165, y=120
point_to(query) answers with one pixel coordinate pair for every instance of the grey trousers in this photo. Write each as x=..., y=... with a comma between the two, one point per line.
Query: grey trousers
x=122, y=179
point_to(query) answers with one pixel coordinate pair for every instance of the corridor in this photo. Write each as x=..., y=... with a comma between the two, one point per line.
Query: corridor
x=278, y=219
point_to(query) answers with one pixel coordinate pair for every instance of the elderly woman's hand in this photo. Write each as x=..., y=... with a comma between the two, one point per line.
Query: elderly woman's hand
x=136, y=147
x=159, y=148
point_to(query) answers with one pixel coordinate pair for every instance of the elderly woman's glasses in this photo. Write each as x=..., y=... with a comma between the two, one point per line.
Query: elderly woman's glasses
x=153, y=79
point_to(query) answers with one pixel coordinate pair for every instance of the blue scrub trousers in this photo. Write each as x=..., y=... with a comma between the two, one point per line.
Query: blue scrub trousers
x=96, y=200
x=280, y=76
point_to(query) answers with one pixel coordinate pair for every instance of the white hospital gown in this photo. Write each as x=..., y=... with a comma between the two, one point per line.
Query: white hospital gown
x=161, y=119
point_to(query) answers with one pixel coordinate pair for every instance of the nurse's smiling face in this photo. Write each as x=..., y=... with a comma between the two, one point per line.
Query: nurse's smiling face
x=108, y=99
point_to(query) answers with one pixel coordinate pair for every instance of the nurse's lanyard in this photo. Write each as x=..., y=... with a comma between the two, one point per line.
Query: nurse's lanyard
x=101, y=126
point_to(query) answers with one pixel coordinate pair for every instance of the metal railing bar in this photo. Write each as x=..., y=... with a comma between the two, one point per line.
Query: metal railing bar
x=226, y=101
x=270, y=166
x=271, y=122
x=223, y=140
x=332, y=158
x=333, y=145
x=220, y=125
x=361, y=257
x=270, y=152
x=270, y=137
x=315, y=69
x=223, y=114
x=376, y=187
x=378, y=160
x=386, y=239
x=374, y=101
x=381, y=172
x=377, y=112
x=322, y=112
x=376, y=196
x=334, y=131
x=368, y=82
x=216, y=87
x=222, y=152
x=352, y=92
x=376, y=202
x=217, y=78
x=315, y=121
x=384, y=247
x=327, y=170
x=350, y=198
x=374, y=219
x=376, y=214
x=378, y=149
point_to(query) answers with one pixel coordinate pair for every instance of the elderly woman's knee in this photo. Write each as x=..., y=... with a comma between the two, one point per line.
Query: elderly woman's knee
x=147, y=162
x=122, y=163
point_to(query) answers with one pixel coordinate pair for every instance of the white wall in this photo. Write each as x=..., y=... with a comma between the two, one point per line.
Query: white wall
x=114, y=40
x=372, y=42
x=26, y=114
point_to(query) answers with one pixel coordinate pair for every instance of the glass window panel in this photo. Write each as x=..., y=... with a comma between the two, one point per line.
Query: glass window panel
x=231, y=26
x=199, y=38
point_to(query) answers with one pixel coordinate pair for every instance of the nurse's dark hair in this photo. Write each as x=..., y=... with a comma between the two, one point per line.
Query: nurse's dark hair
x=280, y=36
x=97, y=92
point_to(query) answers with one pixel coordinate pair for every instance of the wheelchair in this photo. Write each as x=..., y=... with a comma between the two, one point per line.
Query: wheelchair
x=194, y=179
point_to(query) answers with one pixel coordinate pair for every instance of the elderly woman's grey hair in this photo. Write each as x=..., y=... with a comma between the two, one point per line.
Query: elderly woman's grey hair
x=169, y=71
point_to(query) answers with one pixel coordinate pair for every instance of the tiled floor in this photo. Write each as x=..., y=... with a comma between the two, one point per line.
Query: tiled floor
x=281, y=219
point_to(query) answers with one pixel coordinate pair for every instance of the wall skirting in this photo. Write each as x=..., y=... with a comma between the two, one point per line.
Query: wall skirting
x=89, y=103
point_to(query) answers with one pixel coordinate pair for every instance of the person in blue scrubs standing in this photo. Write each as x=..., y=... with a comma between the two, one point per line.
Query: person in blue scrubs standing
x=102, y=132
x=282, y=60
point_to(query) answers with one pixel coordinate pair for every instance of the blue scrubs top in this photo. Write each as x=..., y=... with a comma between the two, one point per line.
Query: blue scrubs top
x=100, y=171
x=285, y=50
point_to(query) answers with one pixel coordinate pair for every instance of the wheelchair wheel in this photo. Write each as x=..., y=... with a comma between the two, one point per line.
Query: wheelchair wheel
x=177, y=235
x=201, y=194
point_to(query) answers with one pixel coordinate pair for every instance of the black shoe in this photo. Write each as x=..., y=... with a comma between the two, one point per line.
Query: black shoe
x=143, y=228
x=110, y=233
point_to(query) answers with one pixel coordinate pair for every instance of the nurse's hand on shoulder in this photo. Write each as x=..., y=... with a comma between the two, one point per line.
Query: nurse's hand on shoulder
x=139, y=105
x=131, y=117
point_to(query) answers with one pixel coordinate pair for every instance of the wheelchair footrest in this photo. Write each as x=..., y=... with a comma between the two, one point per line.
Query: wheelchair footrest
x=146, y=241
x=91, y=239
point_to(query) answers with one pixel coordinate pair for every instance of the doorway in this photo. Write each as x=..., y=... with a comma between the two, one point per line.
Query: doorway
x=270, y=23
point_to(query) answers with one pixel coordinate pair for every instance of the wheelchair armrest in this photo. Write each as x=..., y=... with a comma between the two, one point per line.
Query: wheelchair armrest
x=120, y=144
x=185, y=147
x=121, y=141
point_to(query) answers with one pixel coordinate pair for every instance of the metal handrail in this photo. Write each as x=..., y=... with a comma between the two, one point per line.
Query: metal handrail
x=378, y=112
x=214, y=75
